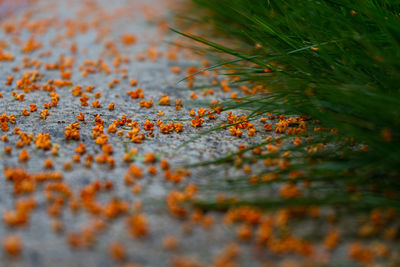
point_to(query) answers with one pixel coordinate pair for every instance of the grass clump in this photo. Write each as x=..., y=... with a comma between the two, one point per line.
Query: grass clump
x=335, y=62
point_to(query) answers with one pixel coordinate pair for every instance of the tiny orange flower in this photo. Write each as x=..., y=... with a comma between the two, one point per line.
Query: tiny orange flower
x=81, y=116
x=48, y=164
x=12, y=245
x=23, y=155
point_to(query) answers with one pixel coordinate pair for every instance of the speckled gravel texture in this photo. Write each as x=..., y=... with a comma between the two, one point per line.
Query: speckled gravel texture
x=147, y=20
x=43, y=247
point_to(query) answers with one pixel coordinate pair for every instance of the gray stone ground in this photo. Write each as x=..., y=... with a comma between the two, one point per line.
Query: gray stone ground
x=43, y=247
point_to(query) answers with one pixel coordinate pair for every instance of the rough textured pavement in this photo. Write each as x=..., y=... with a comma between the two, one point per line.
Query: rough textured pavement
x=58, y=20
x=105, y=44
